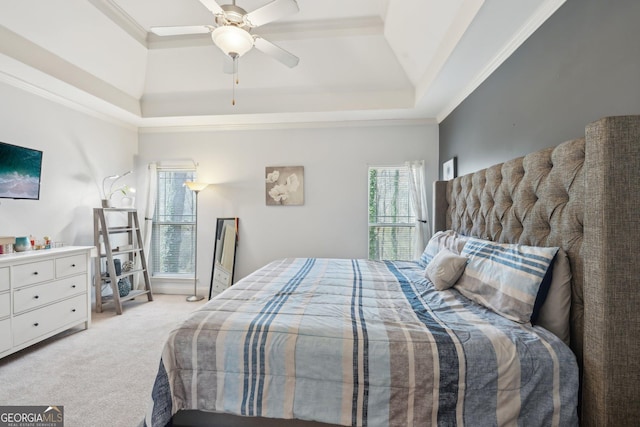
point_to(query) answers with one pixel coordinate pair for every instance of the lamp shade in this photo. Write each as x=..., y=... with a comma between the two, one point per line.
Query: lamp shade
x=196, y=186
x=232, y=40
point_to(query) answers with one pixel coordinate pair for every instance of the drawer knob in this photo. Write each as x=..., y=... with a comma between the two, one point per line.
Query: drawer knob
x=36, y=296
x=36, y=324
x=73, y=310
x=73, y=265
x=35, y=273
x=73, y=286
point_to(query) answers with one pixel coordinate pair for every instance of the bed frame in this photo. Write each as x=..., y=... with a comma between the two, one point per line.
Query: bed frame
x=584, y=196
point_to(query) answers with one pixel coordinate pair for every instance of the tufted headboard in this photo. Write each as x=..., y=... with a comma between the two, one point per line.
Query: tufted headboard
x=583, y=196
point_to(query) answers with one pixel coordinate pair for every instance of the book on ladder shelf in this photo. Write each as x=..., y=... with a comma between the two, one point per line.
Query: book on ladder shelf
x=121, y=258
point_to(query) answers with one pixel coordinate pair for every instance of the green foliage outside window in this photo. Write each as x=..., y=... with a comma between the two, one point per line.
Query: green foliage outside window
x=173, y=224
x=391, y=217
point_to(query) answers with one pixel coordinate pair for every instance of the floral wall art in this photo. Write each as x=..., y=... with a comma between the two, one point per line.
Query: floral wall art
x=284, y=185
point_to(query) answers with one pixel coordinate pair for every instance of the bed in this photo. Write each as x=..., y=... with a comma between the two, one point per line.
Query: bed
x=312, y=342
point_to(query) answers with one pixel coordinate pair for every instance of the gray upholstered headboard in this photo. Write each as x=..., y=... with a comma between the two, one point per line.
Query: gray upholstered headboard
x=584, y=196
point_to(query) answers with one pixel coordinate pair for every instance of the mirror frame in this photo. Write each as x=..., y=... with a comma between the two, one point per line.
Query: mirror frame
x=220, y=222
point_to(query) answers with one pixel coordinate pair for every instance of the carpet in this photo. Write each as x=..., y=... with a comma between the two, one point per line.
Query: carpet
x=103, y=375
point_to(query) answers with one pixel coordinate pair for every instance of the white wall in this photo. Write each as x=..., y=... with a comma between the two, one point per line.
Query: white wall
x=333, y=220
x=78, y=152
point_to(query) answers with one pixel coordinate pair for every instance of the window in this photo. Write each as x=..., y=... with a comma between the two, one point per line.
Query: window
x=391, y=216
x=173, y=224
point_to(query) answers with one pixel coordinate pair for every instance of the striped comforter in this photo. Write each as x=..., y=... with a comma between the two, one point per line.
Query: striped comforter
x=366, y=343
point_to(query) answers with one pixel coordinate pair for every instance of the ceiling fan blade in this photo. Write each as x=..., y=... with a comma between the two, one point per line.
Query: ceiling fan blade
x=276, y=52
x=213, y=6
x=270, y=12
x=181, y=30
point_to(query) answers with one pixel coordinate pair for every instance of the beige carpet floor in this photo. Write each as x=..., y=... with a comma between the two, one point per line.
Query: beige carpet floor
x=102, y=376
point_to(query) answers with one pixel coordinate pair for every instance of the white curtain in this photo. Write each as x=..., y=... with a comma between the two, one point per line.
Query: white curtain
x=418, y=188
x=150, y=206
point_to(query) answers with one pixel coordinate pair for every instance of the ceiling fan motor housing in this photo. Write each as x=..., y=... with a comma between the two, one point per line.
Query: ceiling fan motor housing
x=234, y=15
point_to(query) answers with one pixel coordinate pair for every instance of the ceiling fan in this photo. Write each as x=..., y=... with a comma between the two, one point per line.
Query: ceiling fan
x=231, y=30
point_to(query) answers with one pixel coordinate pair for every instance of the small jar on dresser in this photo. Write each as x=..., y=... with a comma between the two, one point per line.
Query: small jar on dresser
x=43, y=293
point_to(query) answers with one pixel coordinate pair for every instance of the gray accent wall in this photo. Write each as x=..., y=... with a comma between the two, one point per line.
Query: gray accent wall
x=582, y=64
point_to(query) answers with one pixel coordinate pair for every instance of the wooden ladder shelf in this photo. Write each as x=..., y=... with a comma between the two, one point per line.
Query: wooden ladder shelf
x=131, y=249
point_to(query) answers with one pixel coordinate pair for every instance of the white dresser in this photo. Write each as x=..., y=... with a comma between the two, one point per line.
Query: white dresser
x=221, y=279
x=43, y=293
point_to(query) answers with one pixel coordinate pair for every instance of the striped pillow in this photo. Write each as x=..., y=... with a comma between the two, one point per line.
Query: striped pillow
x=442, y=239
x=503, y=277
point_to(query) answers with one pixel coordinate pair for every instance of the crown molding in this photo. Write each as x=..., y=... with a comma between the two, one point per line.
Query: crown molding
x=120, y=118
x=321, y=121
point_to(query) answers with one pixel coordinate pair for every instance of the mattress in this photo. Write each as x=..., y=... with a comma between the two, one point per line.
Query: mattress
x=366, y=343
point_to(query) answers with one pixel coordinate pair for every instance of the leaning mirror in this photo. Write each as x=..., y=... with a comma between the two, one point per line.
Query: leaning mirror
x=224, y=255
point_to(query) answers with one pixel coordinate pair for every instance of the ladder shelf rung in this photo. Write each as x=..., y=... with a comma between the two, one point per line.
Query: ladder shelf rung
x=131, y=295
x=122, y=252
x=118, y=229
x=107, y=278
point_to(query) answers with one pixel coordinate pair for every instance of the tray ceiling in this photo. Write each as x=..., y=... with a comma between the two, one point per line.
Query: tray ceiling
x=359, y=59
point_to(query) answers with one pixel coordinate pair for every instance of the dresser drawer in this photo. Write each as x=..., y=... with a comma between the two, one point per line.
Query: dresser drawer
x=222, y=276
x=29, y=297
x=5, y=305
x=217, y=288
x=39, y=322
x=4, y=279
x=5, y=335
x=71, y=265
x=35, y=272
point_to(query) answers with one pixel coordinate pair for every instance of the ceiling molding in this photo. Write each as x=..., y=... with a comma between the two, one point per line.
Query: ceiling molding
x=305, y=124
x=122, y=19
x=300, y=30
x=38, y=58
x=543, y=13
x=124, y=120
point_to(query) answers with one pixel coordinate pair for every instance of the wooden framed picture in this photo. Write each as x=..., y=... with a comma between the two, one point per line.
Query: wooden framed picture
x=449, y=169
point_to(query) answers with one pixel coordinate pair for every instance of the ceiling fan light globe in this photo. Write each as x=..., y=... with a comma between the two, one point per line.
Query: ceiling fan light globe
x=232, y=40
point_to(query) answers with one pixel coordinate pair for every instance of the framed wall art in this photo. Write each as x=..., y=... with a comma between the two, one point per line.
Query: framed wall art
x=450, y=169
x=284, y=185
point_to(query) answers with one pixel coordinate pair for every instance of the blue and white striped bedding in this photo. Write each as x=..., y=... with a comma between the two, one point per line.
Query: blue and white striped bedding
x=366, y=343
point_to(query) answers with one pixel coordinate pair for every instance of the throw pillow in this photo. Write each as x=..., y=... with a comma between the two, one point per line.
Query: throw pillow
x=445, y=269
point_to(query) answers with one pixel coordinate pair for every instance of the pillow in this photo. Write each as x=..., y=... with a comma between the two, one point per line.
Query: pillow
x=442, y=239
x=503, y=277
x=554, y=315
x=445, y=268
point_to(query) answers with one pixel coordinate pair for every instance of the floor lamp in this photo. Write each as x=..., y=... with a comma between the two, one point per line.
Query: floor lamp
x=196, y=187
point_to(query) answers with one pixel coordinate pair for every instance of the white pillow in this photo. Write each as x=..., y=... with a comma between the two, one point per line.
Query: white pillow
x=445, y=268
